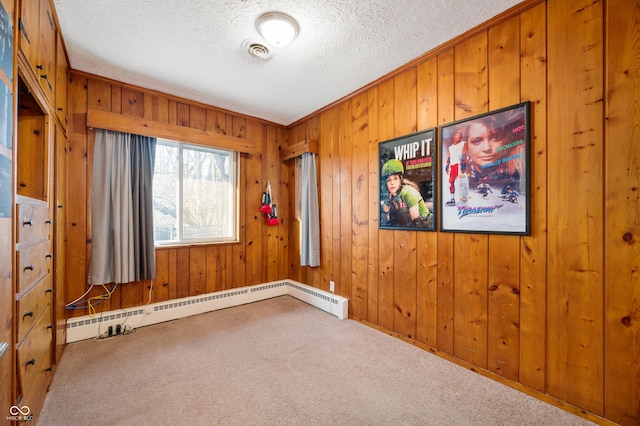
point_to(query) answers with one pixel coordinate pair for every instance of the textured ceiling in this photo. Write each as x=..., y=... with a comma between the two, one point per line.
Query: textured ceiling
x=193, y=48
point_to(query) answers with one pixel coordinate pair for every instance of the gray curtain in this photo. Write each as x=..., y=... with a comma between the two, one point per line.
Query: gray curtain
x=122, y=247
x=309, y=213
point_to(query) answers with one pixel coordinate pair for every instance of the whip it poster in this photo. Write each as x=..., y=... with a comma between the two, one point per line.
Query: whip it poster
x=407, y=182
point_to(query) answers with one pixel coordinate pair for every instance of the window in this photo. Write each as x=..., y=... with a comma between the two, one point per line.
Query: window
x=194, y=194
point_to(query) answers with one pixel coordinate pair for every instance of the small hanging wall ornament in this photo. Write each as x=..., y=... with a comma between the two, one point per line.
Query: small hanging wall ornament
x=265, y=207
x=269, y=209
x=272, y=218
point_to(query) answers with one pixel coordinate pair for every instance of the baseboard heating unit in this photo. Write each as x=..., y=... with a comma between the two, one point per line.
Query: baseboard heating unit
x=90, y=326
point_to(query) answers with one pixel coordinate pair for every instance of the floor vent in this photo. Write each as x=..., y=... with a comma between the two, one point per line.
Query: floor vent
x=88, y=327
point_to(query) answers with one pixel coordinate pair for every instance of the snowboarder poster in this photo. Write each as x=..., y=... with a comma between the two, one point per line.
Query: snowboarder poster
x=484, y=166
x=407, y=181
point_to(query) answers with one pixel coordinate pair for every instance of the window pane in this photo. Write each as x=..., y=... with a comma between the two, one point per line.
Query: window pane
x=165, y=192
x=207, y=193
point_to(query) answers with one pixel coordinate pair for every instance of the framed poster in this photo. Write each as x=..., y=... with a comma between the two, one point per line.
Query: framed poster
x=485, y=173
x=407, y=182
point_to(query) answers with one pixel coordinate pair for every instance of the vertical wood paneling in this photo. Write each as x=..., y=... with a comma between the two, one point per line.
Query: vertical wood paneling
x=131, y=294
x=405, y=242
x=98, y=96
x=113, y=302
x=183, y=114
x=287, y=192
x=239, y=253
x=215, y=269
x=575, y=302
x=216, y=122
x=336, y=197
x=197, y=118
x=343, y=284
x=327, y=141
x=173, y=274
x=132, y=103
x=172, y=111
x=275, y=266
x=386, y=237
x=503, y=321
x=116, y=101
x=197, y=270
x=290, y=170
x=374, y=208
x=183, y=272
x=471, y=283
x=161, y=282
x=622, y=236
x=156, y=108
x=359, y=204
x=533, y=271
x=325, y=195
x=77, y=191
x=254, y=219
x=445, y=327
x=427, y=242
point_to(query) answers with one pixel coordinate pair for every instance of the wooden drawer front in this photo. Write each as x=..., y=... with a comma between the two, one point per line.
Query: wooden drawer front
x=34, y=262
x=33, y=222
x=31, y=306
x=34, y=360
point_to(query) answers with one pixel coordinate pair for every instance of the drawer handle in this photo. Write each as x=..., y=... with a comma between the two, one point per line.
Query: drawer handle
x=32, y=361
x=48, y=369
x=27, y=223
x=29, y=268
x=49, y=290
x=50, y=326
x=49, y=256
x=59, y=206
x=28, y=314
x=48, y=222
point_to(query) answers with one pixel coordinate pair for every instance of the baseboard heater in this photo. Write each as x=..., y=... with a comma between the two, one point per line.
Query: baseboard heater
x=90, y=326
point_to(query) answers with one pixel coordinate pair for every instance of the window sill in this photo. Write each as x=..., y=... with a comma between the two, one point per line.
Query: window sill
x=196, y=244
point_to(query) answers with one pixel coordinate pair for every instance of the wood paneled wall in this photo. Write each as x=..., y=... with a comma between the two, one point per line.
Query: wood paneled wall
x=557, y=313
x=260, y=256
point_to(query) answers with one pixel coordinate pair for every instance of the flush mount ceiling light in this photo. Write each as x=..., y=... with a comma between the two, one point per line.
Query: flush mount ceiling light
x=277, y=28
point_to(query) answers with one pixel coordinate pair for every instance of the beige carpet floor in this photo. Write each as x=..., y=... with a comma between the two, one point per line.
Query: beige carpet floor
x=276, y=362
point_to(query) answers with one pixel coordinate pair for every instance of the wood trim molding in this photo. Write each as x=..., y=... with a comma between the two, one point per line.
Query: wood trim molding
x=299, y=148
x=122, y=123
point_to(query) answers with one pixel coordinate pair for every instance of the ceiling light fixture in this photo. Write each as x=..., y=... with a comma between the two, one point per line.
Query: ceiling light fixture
x=277, y=28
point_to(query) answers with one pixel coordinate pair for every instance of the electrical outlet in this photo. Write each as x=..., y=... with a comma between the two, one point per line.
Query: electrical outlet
x=332, y=286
